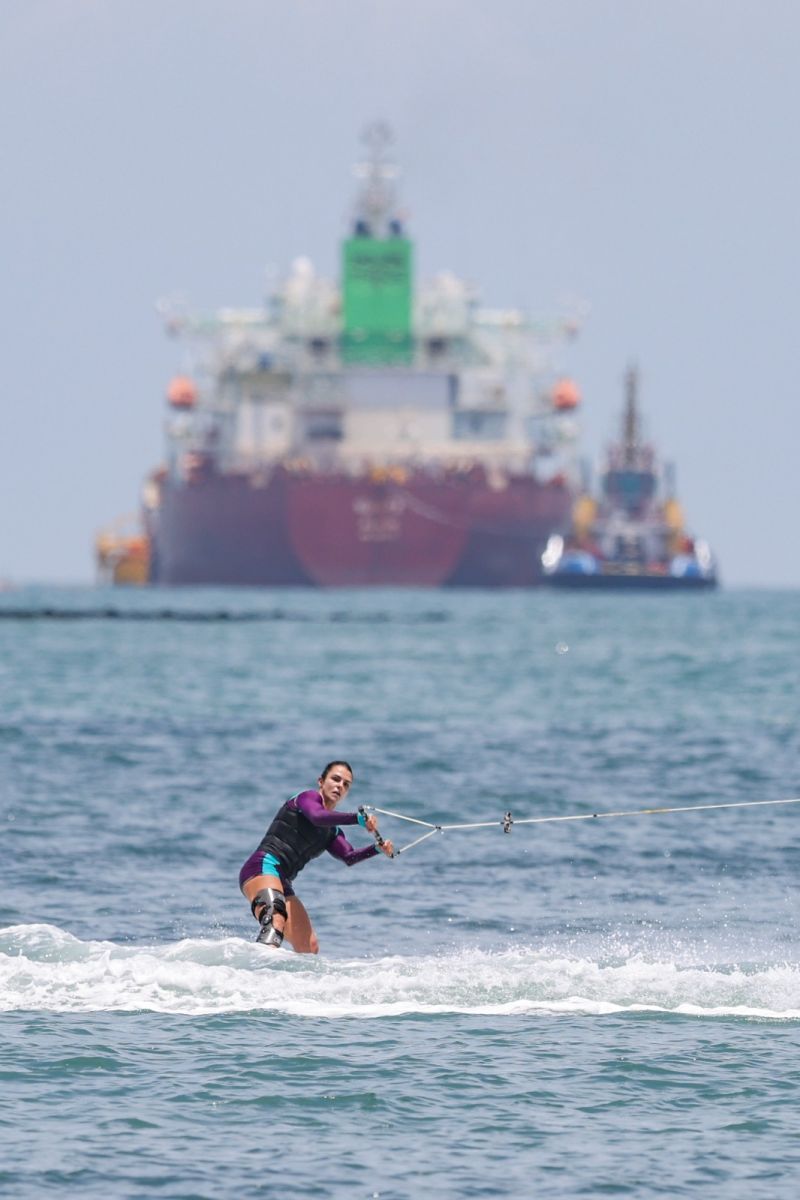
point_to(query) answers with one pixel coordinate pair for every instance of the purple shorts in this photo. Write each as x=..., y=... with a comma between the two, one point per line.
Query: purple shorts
x=261, y=863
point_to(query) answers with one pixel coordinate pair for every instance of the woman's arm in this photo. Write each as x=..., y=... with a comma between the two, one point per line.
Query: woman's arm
x=311, y=806
x=340, y=848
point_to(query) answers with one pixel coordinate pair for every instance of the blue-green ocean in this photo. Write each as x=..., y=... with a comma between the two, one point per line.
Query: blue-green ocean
x=579, y=1008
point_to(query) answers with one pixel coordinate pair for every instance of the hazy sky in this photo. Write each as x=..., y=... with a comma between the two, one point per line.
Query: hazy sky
x=639, y=155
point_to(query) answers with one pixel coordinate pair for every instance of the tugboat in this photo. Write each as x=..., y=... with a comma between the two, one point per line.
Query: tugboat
x=633, y=534
x=122, y=553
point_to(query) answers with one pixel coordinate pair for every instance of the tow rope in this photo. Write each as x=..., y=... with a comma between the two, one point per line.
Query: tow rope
x=508, y=820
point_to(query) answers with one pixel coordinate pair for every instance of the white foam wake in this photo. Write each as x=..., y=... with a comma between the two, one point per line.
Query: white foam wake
x=44, y=968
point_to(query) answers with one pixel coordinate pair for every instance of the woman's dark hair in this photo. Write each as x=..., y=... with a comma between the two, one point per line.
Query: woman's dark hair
x=337, y=762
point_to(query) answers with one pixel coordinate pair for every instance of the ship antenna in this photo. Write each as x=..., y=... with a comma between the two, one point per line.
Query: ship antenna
x=376, y=201
x=631, y=419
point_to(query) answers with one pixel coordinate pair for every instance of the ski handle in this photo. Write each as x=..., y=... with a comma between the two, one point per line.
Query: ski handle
x=379, y=841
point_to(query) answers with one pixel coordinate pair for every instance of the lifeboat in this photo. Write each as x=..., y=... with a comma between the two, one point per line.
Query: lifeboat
x=182, y=393
x=566, y=395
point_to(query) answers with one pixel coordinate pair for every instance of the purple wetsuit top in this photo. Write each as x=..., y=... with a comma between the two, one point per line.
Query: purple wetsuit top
x=310, y=805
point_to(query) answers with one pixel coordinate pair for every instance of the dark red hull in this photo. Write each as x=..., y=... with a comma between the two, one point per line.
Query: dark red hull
x=387, y=529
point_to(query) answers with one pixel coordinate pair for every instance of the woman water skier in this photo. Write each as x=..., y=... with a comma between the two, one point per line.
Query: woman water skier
x=302, y=828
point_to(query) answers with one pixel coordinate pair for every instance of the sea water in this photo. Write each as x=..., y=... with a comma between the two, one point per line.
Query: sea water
x=603, y=1007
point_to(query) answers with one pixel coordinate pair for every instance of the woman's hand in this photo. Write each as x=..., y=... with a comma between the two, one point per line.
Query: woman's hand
x=371, y=826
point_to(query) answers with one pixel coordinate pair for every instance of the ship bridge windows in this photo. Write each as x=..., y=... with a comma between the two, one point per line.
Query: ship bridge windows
x=481, y=425
x=321, y=425
x=632, y=489
x=422, y=391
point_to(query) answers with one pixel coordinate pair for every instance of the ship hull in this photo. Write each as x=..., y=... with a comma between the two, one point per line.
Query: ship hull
x=390, y=528
x=630, y=583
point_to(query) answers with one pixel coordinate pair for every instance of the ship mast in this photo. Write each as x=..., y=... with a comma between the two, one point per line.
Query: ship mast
x=630, y=422
x=377, y=267
x=376, y=200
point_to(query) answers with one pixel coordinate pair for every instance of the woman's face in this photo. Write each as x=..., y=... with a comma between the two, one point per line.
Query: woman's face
x=335, y=785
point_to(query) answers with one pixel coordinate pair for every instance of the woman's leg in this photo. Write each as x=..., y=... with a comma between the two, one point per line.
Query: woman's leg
x=251, y=889
x=299, y=930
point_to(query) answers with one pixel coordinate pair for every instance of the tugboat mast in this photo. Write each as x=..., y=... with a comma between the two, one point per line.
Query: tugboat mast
x=630, y=425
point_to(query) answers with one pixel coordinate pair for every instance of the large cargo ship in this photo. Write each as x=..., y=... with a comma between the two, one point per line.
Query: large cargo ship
x=371, y=433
